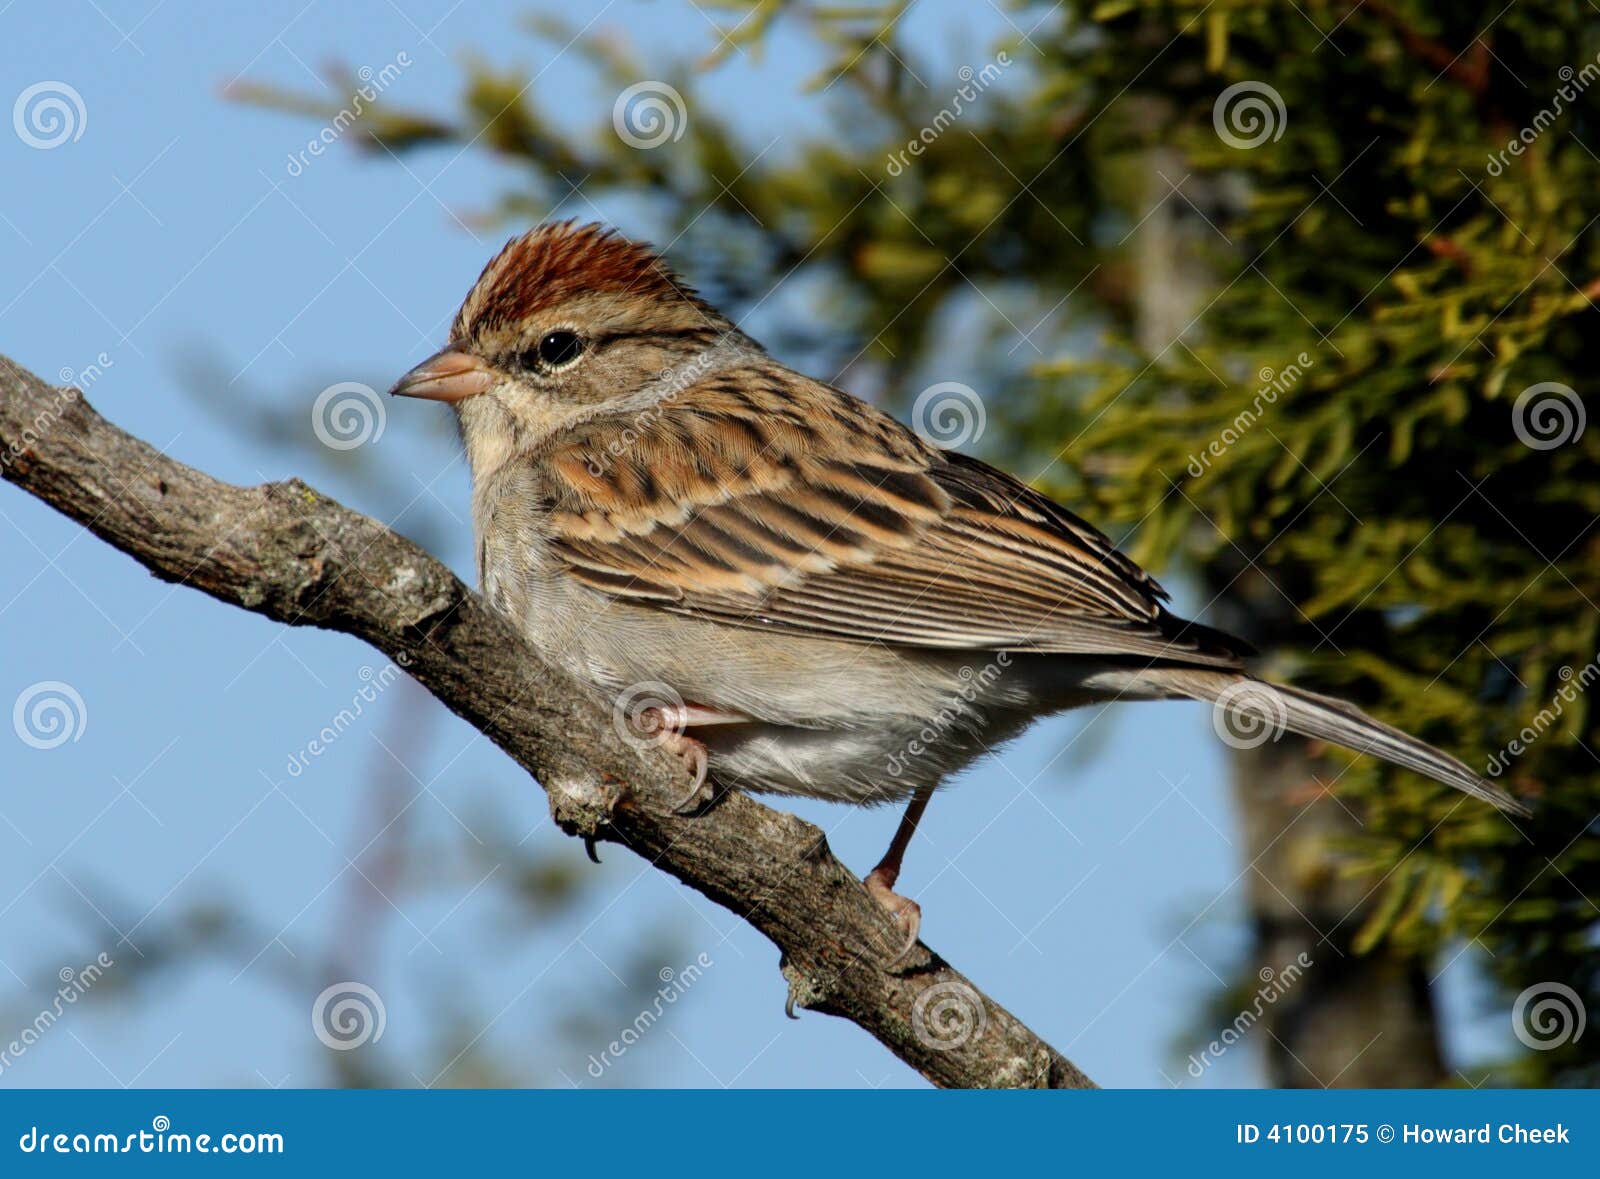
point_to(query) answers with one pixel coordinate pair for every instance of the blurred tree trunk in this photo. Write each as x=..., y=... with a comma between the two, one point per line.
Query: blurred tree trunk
x=1349, y=1020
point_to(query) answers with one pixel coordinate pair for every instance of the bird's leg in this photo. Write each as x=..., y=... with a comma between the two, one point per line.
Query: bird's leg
x=667, y=724
x=880, y=881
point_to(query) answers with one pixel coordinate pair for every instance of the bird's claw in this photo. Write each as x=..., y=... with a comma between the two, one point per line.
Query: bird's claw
x=906, y=912
x=694, y=756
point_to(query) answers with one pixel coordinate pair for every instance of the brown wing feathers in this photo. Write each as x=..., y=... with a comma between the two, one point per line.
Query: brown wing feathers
x=729, y=505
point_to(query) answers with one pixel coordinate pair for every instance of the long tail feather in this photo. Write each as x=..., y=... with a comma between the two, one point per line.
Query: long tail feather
x=1255, y=709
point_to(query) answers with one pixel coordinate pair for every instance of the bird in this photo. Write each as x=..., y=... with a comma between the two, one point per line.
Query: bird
x=782, y=584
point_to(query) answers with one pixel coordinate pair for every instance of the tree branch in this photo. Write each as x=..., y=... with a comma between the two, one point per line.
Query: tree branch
x=285, y=551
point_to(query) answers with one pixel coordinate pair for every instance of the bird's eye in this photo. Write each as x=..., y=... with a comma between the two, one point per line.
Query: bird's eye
x=559, y=349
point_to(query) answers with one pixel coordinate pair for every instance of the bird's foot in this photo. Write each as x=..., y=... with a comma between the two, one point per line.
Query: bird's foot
x=692, y=753
x=666, y=725
x=906, y=912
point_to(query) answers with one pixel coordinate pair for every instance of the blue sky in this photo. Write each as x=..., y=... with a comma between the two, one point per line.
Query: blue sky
x=1089, y=878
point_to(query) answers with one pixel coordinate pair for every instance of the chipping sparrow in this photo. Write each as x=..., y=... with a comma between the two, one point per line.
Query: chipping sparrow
x=815, y=600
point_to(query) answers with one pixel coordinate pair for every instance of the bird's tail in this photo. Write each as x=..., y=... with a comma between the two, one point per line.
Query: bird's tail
x=1250, y=711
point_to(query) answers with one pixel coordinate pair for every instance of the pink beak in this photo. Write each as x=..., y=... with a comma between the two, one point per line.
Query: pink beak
x=447, y=375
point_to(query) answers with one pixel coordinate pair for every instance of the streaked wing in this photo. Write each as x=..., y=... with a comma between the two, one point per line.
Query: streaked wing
x=759, y=498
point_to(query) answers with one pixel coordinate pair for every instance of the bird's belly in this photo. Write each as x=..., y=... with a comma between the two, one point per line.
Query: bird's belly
x=767, y=675
x=850, y=721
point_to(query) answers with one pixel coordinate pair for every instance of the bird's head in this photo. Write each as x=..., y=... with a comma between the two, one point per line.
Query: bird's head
x=564, y=322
